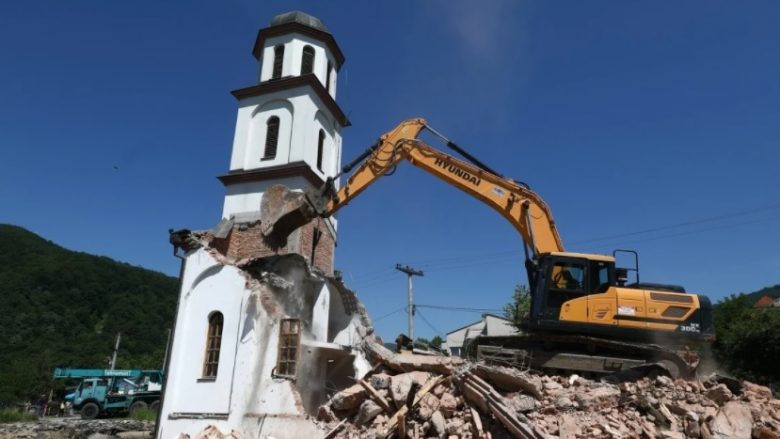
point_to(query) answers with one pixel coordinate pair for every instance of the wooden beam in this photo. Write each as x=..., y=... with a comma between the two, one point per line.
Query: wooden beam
x=392, y=424
x=402, y=426
x=375, y=395
x=336, y=429
x=476, y=421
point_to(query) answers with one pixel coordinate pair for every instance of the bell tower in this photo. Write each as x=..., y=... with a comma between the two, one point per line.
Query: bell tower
x=288, y=128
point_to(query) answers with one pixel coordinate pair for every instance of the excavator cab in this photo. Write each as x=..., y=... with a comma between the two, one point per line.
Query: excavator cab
x=561, y=277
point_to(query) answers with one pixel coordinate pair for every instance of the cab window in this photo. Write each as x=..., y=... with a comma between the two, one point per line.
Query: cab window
x=568, y=276
x=567, y=282
x=600, y=279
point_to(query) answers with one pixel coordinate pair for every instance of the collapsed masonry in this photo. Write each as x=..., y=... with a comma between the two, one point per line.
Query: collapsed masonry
x=411, y=396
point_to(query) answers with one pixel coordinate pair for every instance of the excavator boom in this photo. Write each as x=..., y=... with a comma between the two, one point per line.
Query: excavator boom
x=522, y=207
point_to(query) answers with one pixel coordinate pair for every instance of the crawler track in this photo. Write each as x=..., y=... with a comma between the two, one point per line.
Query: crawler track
x=585, y=355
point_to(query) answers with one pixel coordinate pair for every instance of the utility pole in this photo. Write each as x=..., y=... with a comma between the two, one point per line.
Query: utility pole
x=410, y=310
x=116, y=348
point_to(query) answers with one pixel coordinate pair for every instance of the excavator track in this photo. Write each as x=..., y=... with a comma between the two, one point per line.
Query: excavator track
x=585, y=355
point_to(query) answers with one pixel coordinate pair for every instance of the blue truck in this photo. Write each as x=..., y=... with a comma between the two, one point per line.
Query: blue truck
x=110, y=392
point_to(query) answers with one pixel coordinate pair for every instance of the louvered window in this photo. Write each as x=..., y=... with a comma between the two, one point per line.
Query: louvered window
x=307, y=61
x=320, y=147
x=278, y=62
x=327, y=77
x=271, y=137
x=289, y=343
x=213, y=342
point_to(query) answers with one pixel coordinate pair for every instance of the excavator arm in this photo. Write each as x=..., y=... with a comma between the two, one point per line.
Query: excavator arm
x=522, y=207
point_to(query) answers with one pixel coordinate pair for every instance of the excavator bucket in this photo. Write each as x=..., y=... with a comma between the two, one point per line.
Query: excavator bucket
x=282, y=212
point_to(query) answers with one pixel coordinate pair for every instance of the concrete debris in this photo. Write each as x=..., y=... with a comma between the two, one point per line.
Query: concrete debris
x=487, y=401
x=733, y=420
x=349, y=398
x=368, y=411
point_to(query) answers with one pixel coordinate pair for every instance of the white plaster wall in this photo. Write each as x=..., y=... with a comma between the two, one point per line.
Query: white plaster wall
x=244, y=387
x=311, y=115
x=498, y=326
x=205, y=288
x=293, y=53
x=246, y=197
x=455, y=339
x=258, y=130
x=320, y=318
x=258, y=392
x=246, y=393
x=330, y=162
x=297, y=140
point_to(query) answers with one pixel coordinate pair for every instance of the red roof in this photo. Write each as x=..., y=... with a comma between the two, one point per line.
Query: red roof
x=764, y=302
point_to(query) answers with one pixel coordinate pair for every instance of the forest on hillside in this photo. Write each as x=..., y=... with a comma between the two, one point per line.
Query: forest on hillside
x=64, y=308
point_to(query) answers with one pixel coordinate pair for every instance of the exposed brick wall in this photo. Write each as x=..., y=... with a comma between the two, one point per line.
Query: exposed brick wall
x=245, y=241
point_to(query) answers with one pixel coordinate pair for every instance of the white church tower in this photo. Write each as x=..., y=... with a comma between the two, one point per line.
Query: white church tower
x=289, y=125
x=288, y=131
x=263, y=336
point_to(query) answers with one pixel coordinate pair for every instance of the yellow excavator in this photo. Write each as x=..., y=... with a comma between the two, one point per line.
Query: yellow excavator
x=584, y=317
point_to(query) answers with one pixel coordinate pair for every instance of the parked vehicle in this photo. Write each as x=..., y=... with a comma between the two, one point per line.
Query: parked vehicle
x=113, y=391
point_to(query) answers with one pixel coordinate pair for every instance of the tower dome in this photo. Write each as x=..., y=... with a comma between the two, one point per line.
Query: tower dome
x=300, y=18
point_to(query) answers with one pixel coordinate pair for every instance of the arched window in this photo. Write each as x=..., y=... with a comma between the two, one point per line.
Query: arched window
x=278, y=62
x=271, y=137
x=327, y=76
x=307, y=61
x=213, y=342
x=320, y=147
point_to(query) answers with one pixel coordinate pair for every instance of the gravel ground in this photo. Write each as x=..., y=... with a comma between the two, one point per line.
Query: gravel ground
x=76, y=428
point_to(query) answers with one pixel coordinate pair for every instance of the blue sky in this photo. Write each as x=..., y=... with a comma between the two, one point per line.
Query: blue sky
x=116, y=117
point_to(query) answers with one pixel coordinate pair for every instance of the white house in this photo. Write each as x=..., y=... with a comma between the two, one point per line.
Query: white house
x=263, y=336
x=489, y=324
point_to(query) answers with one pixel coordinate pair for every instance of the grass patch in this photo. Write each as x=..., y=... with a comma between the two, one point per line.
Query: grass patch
x=144, y=415
x=11, y=415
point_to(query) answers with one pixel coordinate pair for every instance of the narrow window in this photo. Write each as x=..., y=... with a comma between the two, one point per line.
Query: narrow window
x=289, y=340
x=327, y=77
x=320, y=146
x=307, y=61
x=271, y=137
x=278, y=61
x=213, y=342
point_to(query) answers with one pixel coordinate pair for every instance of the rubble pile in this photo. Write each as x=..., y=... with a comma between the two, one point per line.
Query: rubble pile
x=76, y=428
x=412, y=396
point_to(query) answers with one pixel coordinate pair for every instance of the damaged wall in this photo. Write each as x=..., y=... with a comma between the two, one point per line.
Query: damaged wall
x=256, y=296
x=240, y=238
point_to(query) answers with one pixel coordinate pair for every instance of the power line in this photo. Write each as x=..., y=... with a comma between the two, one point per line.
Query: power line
x=682, y=224
x=692, y=232
x=457, y=308
x=472, y=260
x=390, y=313
x=435, y=331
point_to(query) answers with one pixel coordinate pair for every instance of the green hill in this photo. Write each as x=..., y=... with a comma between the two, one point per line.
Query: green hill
x=64, y=308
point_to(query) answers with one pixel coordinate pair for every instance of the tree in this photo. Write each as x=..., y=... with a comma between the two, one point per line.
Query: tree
x=748, y=339
x=517, y=310
x=435, y=342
